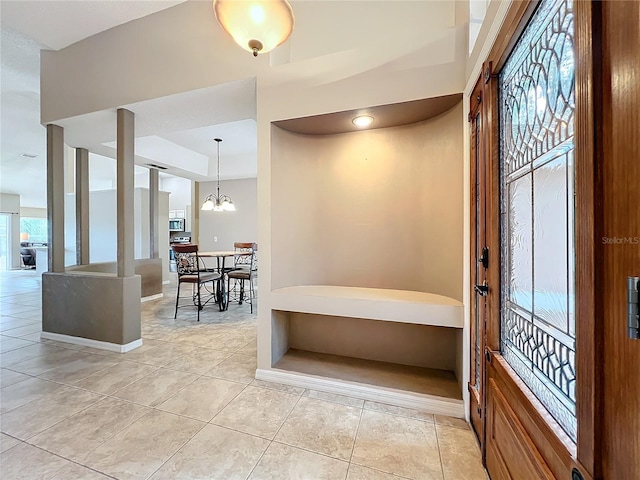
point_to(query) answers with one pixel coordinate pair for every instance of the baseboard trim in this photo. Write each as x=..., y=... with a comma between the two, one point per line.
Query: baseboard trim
x=151, y=297
x=87, y=342
x=417, y=401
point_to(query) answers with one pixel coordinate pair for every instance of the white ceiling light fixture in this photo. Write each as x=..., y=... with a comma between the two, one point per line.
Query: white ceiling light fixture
x=363, y=121
x=258, y=26
x=217, y=202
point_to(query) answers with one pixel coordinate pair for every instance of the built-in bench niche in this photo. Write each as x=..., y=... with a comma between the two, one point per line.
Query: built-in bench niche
x=366, y=261
x=404, y=356
x=366, y=338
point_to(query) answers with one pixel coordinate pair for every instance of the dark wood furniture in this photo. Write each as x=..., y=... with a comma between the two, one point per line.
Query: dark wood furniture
x=190, y=270
x=245, y=270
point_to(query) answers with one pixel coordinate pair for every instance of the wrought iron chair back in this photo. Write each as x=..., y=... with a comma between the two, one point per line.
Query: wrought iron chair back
x=187, y=260
x=191, y=270
x=245, y=272
x=247, y=262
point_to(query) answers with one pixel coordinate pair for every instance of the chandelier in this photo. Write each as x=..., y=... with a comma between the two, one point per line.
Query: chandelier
x=258, y=26
x=218, y=202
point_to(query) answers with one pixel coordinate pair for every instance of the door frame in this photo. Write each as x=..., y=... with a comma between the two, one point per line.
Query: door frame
x=477, y=162
x=556, y=450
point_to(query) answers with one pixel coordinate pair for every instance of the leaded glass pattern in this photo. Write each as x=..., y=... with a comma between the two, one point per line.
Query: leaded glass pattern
x=537, y=106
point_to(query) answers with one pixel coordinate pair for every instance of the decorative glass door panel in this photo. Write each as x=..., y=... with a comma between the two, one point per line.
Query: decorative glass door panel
x=537, y=105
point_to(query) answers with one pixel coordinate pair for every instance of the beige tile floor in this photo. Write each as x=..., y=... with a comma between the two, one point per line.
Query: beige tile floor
x=186, y=405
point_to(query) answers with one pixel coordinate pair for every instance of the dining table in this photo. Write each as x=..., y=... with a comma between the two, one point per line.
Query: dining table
x=222, y=296
x=221, y=257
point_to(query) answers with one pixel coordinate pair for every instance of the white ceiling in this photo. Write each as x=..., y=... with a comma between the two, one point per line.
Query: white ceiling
x=177, y=131
x=28, y=27
x=55, y=24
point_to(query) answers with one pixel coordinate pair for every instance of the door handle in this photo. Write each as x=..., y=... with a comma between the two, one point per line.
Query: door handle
x=482, y=290
x=484, y=257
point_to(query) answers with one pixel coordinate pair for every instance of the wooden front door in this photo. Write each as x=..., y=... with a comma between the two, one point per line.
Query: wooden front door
x=620, y=238
x=531, y=372
x=561, y=128
x=479, y=258
x=532, y=178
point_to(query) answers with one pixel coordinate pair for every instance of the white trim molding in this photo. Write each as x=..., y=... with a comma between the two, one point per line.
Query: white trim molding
x=87, y=342
x=417, y=401
x=151, y=297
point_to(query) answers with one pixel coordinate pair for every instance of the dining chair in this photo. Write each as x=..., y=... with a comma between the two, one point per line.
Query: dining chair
x=245, y=270
x=243, y=262
x=192, y=270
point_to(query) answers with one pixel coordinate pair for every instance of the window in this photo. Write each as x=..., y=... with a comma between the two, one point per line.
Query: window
x=537, y=105
x=33, y=230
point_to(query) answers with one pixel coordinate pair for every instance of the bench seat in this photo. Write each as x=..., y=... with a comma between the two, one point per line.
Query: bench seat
x=382, y=304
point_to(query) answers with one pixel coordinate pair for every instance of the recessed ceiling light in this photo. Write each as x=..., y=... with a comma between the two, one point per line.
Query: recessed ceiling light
x=363, y=121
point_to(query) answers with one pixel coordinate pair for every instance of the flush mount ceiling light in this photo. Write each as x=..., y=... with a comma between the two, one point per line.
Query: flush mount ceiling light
x=362, y=121
x=217, y=202
x=258, y=26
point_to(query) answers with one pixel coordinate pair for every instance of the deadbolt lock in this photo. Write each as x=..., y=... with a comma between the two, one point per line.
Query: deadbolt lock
x=482, y=290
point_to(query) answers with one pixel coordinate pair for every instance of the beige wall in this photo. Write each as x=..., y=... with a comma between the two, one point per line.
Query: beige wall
x=102, y=227
x=230, y=227
x=379, y=208
x=29, y=212
x=180, y=192
x=403, y=343
x=430, y=67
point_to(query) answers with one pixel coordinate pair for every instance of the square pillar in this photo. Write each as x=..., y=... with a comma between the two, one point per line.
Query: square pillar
x=55, y=197
x=195, y=212
x=82, y=206
x=125, y=190
x=154, y=213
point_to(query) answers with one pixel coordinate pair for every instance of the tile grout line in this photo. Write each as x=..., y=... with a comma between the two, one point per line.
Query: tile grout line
x=394, y=475
x=67, y=459
x=176, y=452
x=274, y=436
x=36, y=399
x=90, y=450
x=435, y=429
x=355, y=437
x=38, y=376
x=348, y=469
x=160, y=402
x=151, y=409
x=306, y=449
x=200, y=376
x=227, y=404
x=51, y=426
